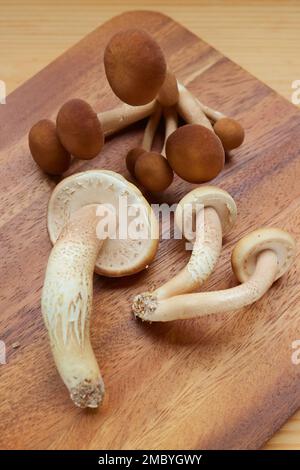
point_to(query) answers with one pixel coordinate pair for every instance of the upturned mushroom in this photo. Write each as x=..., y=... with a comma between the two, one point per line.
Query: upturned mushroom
x=135, y=66
x=258, y=260
x=88, y=229
x=81, y=130
x=194, y=151
x=212, y=211
x=151, y=168
x=230, y=131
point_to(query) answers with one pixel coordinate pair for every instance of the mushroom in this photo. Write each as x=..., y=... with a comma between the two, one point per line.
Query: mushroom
x=132, y=157
x=194, y=151
x=258, y=260
x=135, y=66
x=81, y=245
x=81, y=130
x=152, y=169
x=229, y=130
x=46, y=148
x=213, y=212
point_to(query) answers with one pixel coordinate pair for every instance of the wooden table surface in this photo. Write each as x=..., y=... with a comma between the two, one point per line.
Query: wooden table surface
x=260, y=36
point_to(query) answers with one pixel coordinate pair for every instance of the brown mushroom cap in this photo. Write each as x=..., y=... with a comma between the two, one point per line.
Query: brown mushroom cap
x=153, y=171
x=132, y=157
x=230, y=132
x=79, y=129
x=169, y=94
x=195, y=153
x=135, y=66
x=46, y=148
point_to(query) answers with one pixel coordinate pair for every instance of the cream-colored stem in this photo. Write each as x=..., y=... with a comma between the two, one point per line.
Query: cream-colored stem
x=211, y=113
x=171, y=124
x=116, y=119
x=189, y=108
x=151, y=128
x=204, y=257
x=67, y=304
x=206, y=303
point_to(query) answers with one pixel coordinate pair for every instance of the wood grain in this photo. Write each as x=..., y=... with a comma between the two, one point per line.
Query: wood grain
x=225, y=382
x=261, y=36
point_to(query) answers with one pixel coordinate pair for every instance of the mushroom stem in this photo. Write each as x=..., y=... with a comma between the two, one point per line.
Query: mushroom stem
x=229, y=131
x=171, y=124
x=67, y=304
x=204, y=257
x=211, y=113
x=206, y=303
x=151, y=128
x=116, y=119
x=189, y=108
x=149, y=134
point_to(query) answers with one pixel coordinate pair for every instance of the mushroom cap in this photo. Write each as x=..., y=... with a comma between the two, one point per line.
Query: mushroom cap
x=230, y=132
x=244, y=254
x=195, y=153
x=135, y=66
x=46, y=148
x=153, y=171
x=132, y=157
x=208, y=196
x=79, y=129
x=168, y=94
x=119, y=256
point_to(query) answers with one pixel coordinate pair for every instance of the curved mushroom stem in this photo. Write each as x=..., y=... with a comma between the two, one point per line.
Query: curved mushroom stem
x=116, y=119
x=171, y=124
x=206, y=303
x=67, y=304
x=204, y=257
x=190, y=109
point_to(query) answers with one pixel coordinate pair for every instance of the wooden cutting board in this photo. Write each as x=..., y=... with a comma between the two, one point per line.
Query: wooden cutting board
x=217, y=382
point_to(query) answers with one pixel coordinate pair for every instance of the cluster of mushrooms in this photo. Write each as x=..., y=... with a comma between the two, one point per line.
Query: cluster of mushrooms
x=137, y=72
